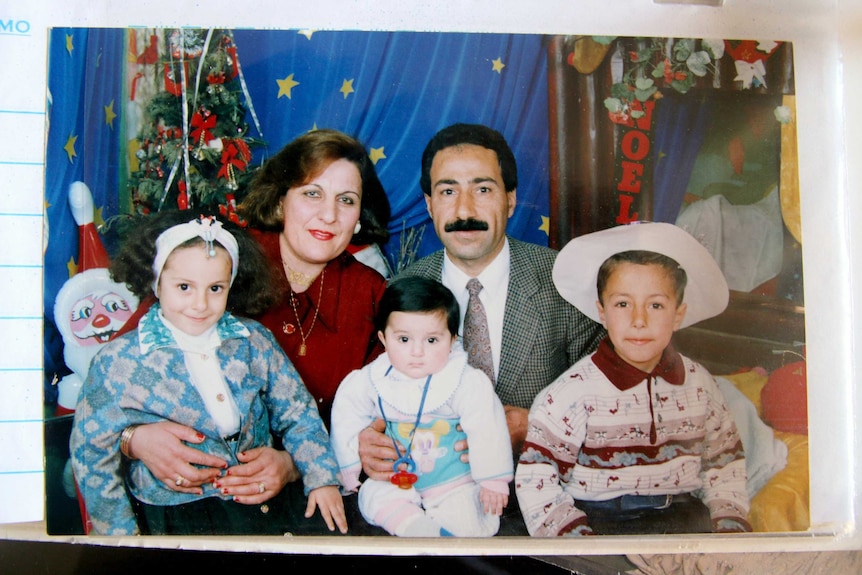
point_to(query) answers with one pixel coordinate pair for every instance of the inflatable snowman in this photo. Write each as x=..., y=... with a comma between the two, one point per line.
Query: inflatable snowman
x=90, y=307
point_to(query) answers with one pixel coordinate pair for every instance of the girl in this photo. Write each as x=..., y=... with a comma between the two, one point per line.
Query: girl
x=193, y=362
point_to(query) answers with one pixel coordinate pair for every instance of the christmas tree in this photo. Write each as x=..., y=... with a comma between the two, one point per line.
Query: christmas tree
x=194, y=145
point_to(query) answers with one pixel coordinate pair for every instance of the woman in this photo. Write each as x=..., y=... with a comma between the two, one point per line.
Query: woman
x=309, y=201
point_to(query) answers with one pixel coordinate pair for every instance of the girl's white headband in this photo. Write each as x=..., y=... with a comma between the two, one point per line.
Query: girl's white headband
x=209, y=229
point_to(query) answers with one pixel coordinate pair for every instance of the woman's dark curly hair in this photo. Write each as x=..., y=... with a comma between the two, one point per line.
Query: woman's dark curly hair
x=254, y=290
x=298, y=163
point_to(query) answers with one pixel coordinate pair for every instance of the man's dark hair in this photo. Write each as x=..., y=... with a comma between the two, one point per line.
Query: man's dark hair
x=478, y=135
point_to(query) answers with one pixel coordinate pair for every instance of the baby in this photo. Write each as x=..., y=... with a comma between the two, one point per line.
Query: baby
x=430, y=398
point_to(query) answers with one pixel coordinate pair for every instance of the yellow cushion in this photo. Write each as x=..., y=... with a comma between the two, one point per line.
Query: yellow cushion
x=783, y=503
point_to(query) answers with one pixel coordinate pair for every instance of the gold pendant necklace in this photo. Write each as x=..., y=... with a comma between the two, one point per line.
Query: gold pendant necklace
x=287, y=328
x=298, y=278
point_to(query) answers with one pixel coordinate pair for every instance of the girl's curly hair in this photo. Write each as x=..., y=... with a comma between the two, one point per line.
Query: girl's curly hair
x=255, y=289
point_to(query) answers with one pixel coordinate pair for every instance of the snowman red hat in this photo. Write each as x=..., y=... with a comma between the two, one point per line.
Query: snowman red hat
x=90, y=307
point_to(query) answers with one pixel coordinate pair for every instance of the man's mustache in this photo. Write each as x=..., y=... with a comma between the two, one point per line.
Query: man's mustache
x=468, y=225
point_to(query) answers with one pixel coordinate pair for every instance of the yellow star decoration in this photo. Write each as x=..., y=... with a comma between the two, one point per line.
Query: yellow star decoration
x=307, y=33
x=347, y=87
x=98, y=220
x=110, y=115
x=70, y=147
x=285, y=86
x=69, y=46
x=377, y=154
x=72, y=267
x=498, y=65
x=546, y=225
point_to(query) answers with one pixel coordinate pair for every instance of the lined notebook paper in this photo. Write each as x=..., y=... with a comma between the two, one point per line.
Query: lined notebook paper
x=23, y=38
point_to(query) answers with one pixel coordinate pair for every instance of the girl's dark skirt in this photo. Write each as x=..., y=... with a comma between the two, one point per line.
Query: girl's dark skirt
x=280, y=515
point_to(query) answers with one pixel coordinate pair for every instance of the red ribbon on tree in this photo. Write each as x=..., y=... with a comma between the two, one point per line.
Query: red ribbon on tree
x=235, y=155
x=202, y=126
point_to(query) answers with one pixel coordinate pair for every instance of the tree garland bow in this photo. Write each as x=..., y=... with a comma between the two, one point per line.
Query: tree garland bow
x=202, y=127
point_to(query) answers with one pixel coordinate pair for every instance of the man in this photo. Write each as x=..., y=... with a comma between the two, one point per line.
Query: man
x=469, y=178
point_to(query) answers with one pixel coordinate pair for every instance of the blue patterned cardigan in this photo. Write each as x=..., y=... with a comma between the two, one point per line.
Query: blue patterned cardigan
x=142, y=377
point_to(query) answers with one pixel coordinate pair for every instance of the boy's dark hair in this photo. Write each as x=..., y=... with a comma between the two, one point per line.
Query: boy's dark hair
x=299, y=162
x=254, y=290
x=418, y=294
x=644, y=258
x=478, y=135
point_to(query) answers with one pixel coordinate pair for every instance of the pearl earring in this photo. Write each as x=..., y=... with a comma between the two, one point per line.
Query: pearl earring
x=356, y=228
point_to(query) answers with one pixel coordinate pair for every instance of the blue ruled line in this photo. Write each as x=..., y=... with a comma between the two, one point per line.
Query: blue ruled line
x=2, y=421
x=30, y=112
x=7, y=163
x=8, y=369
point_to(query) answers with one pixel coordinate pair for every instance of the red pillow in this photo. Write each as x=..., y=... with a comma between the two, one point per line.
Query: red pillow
x=784, y=399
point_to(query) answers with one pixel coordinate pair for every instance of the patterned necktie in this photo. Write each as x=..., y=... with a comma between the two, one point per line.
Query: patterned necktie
x=477, y=339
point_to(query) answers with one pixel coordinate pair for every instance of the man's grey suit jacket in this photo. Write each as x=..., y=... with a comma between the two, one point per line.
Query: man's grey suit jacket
x=543, y=334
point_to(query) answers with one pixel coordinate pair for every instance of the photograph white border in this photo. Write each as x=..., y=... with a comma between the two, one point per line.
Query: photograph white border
x=828, y=68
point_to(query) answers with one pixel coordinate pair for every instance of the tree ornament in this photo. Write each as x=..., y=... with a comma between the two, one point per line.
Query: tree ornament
x=183, y=197
x=176, y=146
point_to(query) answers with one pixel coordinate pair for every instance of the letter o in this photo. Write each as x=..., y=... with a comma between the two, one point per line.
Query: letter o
x=635, y=145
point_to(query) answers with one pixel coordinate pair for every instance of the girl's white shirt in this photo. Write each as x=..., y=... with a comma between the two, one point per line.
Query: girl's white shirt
x=206, y=375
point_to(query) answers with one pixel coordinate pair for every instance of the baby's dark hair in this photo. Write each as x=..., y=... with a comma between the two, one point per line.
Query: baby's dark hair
x=254, y=289
x=643, y=257
x=418, y=294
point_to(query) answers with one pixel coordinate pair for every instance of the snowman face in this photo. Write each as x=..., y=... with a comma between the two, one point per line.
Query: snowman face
x=95, y=317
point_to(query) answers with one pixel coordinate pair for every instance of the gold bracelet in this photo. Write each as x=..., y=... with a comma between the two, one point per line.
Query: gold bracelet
x=125, y=439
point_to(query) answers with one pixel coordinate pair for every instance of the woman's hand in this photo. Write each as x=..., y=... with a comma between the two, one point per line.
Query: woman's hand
x=261, y=475
x=376, y=451
x=331, y=505
x=160, y=447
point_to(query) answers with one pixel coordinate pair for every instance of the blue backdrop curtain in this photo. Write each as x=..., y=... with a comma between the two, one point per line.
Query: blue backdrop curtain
x=85, y=84
x=681, y=122
x=392, y=90
x=406, y=86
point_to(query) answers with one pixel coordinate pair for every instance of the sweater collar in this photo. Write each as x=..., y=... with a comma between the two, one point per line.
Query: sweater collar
x=625, y=376
x=153, y=333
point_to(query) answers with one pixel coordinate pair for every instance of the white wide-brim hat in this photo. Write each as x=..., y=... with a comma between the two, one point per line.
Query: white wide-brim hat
x=577, y=266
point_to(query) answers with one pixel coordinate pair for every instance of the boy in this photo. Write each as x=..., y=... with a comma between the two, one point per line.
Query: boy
x=635, y=438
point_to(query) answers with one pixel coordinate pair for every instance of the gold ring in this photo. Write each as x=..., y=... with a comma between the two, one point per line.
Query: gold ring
x=261, y=487
x=180, y=480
